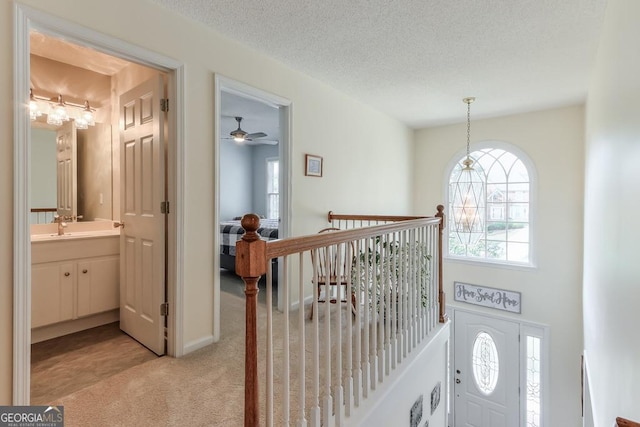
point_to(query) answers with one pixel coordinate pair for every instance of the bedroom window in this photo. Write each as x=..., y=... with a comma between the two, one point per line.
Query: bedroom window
x=273, y=196
x=507, y=234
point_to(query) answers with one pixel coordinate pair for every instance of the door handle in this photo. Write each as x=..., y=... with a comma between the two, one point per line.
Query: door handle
x=117, y=224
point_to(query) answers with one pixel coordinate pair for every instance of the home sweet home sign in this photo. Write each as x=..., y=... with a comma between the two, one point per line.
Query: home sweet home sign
x=487, y=297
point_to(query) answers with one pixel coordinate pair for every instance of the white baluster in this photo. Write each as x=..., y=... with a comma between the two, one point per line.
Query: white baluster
x=315, y=409
x=360, y=306
x=286, y=377
x=269, y=386
x=327, y=406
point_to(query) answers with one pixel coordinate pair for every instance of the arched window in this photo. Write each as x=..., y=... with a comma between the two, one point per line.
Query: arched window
x=507, y=223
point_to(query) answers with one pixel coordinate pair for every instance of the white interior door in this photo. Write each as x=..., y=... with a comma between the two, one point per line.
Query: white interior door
x=67, y=169
x=486, y=371
x=142, y=238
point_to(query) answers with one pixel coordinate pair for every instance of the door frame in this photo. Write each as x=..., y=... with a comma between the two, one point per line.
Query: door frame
x=525, y=328
x=26, y=19
x=284, y=153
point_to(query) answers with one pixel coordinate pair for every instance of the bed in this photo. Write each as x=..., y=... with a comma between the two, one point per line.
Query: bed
x=232, y=231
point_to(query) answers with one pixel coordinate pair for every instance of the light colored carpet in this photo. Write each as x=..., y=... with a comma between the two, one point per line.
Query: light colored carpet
x=205, y=388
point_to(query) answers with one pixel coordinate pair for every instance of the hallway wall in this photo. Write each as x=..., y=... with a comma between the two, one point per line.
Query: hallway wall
x=320, y=127
x=611, y=234
x=551, y=290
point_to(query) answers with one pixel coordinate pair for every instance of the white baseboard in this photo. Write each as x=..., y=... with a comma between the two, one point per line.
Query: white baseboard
x=197, y=344
x=44, y=333
x=296, y=304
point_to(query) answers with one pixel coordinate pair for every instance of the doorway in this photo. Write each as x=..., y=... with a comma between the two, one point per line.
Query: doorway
x=499, y=370
x=28, y=21
x=253, y=172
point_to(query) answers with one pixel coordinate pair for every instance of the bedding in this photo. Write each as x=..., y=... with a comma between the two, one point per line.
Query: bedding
x=232, y=231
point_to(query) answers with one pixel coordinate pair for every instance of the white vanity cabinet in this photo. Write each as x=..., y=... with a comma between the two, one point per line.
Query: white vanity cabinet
x=98, y=285
x=73, y=278
x=52, y=287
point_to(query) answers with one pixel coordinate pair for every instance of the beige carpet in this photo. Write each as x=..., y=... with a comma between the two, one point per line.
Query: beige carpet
x=205, y=388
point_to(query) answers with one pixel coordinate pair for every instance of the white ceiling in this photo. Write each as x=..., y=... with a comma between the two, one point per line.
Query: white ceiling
x=417, y=59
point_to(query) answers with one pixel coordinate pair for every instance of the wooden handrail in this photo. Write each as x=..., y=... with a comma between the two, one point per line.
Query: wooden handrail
x=388, y=218
x=441, y=295
x=253, y=253
x=278, y=248
x=623, y=422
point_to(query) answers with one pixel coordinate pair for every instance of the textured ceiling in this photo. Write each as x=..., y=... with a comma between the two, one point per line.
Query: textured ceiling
x=417, y=59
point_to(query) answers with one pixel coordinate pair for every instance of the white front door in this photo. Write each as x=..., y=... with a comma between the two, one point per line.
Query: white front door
x=486, y=371
x=142, y=238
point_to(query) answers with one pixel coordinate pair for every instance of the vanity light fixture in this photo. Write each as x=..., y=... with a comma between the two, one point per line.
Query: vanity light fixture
x=58, y=110
x=34, y=111
x=85, y=119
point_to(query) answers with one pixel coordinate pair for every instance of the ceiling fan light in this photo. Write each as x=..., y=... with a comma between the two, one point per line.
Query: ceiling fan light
x=238, y=138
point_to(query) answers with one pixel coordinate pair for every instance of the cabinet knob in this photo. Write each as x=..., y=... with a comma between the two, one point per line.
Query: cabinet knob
x=85, y=271
x=67, y=274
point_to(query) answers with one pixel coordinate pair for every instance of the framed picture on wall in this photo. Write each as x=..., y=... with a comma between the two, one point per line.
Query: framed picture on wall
x=312, y=165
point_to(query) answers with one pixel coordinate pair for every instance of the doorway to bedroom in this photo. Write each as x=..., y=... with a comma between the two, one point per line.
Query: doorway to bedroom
x=253, y=175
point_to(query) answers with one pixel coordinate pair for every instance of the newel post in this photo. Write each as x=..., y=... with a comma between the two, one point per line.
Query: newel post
x=441, y=295
x=250, y=265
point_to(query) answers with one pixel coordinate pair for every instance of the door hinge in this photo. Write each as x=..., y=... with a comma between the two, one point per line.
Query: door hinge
x=164, y=207
x=164, y=309
x=164, y=104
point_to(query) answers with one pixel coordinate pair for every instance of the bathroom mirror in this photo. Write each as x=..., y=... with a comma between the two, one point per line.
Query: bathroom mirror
x=93, y=171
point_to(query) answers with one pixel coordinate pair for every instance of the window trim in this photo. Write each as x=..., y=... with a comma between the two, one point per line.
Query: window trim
x=533, y=204
x=267, y=160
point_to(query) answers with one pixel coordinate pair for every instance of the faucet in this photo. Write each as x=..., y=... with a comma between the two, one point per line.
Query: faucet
x=60, y=220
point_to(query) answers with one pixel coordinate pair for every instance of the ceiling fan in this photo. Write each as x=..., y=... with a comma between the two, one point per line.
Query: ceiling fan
x=242, y=137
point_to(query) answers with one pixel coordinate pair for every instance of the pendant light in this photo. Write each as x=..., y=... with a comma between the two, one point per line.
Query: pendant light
x=467, y=195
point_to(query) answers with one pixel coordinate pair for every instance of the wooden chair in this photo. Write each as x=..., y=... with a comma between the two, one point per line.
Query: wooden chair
x=328, y=268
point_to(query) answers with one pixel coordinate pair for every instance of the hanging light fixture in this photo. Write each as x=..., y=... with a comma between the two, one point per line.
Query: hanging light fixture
x=467, y=195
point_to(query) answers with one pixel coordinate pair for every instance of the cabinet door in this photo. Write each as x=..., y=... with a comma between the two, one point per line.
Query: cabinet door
x=98, y=285
x=51, y=293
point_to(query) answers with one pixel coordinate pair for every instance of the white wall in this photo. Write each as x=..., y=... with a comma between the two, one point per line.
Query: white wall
x=612, y=203
x=43, y=168
x=366, y=153
x=391, y=405
x=236, y=180
x=551, y=292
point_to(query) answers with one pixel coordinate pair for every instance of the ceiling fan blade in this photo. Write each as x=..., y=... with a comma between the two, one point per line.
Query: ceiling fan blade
x=255, y=135
x=261, y=142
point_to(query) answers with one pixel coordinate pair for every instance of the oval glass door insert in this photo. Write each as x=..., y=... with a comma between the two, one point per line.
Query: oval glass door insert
x=485, y=363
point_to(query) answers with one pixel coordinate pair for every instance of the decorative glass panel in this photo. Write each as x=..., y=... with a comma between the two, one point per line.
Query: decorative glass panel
x=504, y=206
x=533, y=381
x=486, y=365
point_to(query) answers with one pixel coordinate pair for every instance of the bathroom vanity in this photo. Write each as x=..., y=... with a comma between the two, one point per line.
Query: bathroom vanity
x=74, y=278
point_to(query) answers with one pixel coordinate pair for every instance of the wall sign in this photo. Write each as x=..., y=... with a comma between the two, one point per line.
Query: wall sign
x=487, y=297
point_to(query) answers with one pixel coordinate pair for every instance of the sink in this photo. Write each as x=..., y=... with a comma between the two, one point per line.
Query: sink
x=74, y=235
